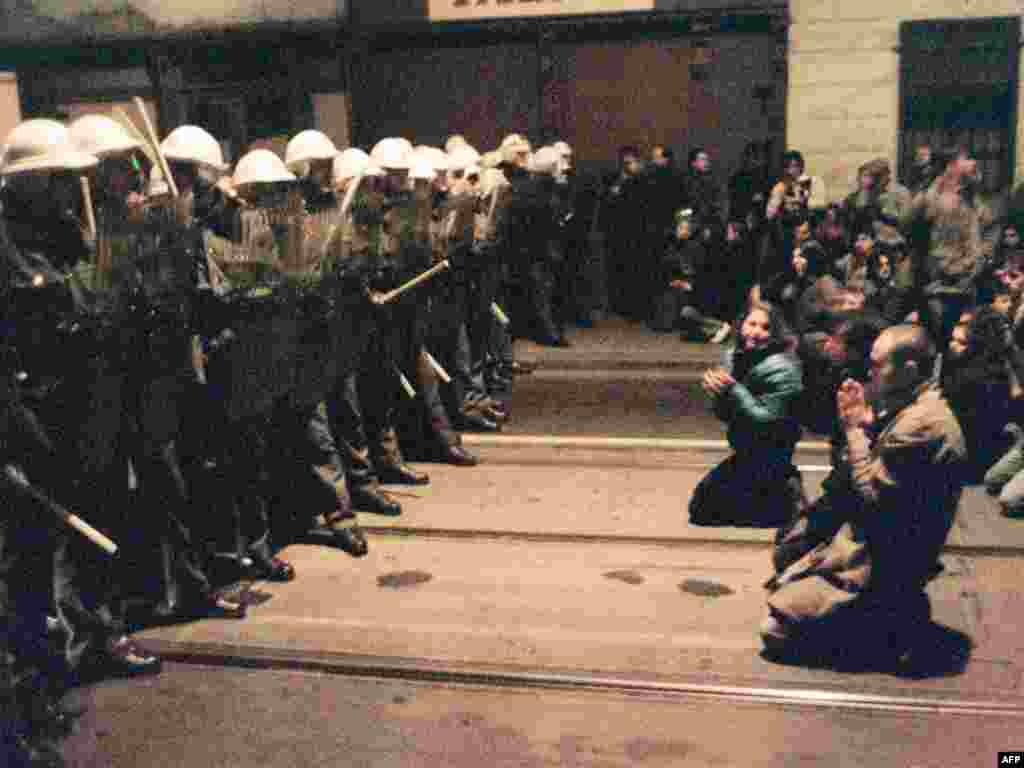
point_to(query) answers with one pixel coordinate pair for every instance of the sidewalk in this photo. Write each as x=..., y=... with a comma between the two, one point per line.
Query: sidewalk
x=644, y=502
x=618, y=344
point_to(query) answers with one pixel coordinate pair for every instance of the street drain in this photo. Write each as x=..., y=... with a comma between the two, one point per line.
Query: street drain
x=400, y=579
x=705, y=588
x=629, y=577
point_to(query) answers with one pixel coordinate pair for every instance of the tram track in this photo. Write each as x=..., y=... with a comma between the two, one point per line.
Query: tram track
x=398, y=531
x=508, y=677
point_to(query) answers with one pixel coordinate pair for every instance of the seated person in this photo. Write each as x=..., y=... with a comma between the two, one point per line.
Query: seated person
x=684, y=303
x=853, y=268
x=882, y=290
x=862, y=590
x=976, y=380
x=790, y=288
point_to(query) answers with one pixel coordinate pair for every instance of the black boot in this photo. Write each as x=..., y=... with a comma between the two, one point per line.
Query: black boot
x=400, y=474
x=367, y=498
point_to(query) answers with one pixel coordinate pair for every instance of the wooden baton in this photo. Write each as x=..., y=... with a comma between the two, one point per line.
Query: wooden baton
x=437, y=367
x=72, y=520
x=141, y=106
x=386, y=298
x=499, y=314
x=90, y=213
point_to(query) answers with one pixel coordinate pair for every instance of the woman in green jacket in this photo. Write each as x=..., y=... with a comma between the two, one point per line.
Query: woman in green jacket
x=755, y=394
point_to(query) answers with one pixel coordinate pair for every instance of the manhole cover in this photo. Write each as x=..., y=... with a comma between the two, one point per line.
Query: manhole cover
x=704, y=588
x=400, y=579
x=629, y=577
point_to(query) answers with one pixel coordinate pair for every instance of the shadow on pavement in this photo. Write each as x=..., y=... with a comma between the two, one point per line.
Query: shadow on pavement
x=937, y=651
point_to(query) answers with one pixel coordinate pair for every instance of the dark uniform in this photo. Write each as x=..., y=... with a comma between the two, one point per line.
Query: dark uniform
x=62, y=390
x=531, y=240
x=424, y=428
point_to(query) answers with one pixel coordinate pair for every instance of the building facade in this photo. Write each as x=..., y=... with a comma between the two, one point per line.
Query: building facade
x=876, y=78
x=596, y=73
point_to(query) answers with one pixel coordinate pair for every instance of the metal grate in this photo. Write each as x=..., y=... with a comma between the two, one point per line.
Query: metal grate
x=958, y=83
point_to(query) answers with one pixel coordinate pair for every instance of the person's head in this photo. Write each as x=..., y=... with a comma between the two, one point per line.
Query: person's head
x=321, y=172
x=662, y=156
x=1011, y=277
x=955, y=162
x=185, y=175
x=853, y=299
x=629, y=161
x=1002, y=302
x=684, y=224
x=763, y=326
x=864, y=245
x=793, y=164
x=866, y=178
x=699, y=160
x=923, y=154
x=123, y=173
x=959, y=342
x=735, y=231
x=880, y=265
x=802, y=230
x=1011, y=237
x=832, y=227
x=902, y=359
x=849, y=343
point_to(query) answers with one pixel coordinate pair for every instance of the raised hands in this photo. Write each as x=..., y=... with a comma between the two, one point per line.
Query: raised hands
x=854, y=411
x=717, y=381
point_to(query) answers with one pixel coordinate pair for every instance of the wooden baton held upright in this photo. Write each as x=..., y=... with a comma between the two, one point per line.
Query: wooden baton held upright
x=90, y=213
x=141, y=106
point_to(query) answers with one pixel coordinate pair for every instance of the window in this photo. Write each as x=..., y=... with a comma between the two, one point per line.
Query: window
x=958, y=85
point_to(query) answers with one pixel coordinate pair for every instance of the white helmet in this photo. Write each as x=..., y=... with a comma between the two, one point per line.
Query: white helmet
x=42, y=145
x=454, y=142
x=545, y=161
x=102, y=136
x=563, y=149
x=391, y=155
x=192, y=144
x=490, y=180
x=436, y=156
x=490, y=159
x=354, y=162
x=462, y=157
x=513, y=145
x=306, y=146
x=422, y=170
x=261, y=166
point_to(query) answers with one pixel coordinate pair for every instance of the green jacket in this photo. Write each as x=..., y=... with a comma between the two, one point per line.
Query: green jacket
x=761, y=408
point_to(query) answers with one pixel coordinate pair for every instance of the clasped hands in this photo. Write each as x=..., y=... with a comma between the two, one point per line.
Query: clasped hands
x=852, y=405
x=717, y=381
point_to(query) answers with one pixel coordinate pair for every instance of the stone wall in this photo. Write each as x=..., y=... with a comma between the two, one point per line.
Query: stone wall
x=843, y=101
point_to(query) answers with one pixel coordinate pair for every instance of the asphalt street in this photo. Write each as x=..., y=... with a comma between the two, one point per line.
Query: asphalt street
x=219, y=717
x=554, y=606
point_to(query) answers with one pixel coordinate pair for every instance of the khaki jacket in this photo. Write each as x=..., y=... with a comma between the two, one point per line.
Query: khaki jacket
x=906, y=493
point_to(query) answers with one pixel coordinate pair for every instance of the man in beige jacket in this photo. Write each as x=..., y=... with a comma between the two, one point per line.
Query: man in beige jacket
x=905, y=454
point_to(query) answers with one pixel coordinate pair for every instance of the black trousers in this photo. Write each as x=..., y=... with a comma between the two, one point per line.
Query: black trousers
x=63, y=438
x=752, y=490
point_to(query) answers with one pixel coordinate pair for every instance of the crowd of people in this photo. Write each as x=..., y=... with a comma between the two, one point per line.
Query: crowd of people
x=203, y=364
x=890, y=322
